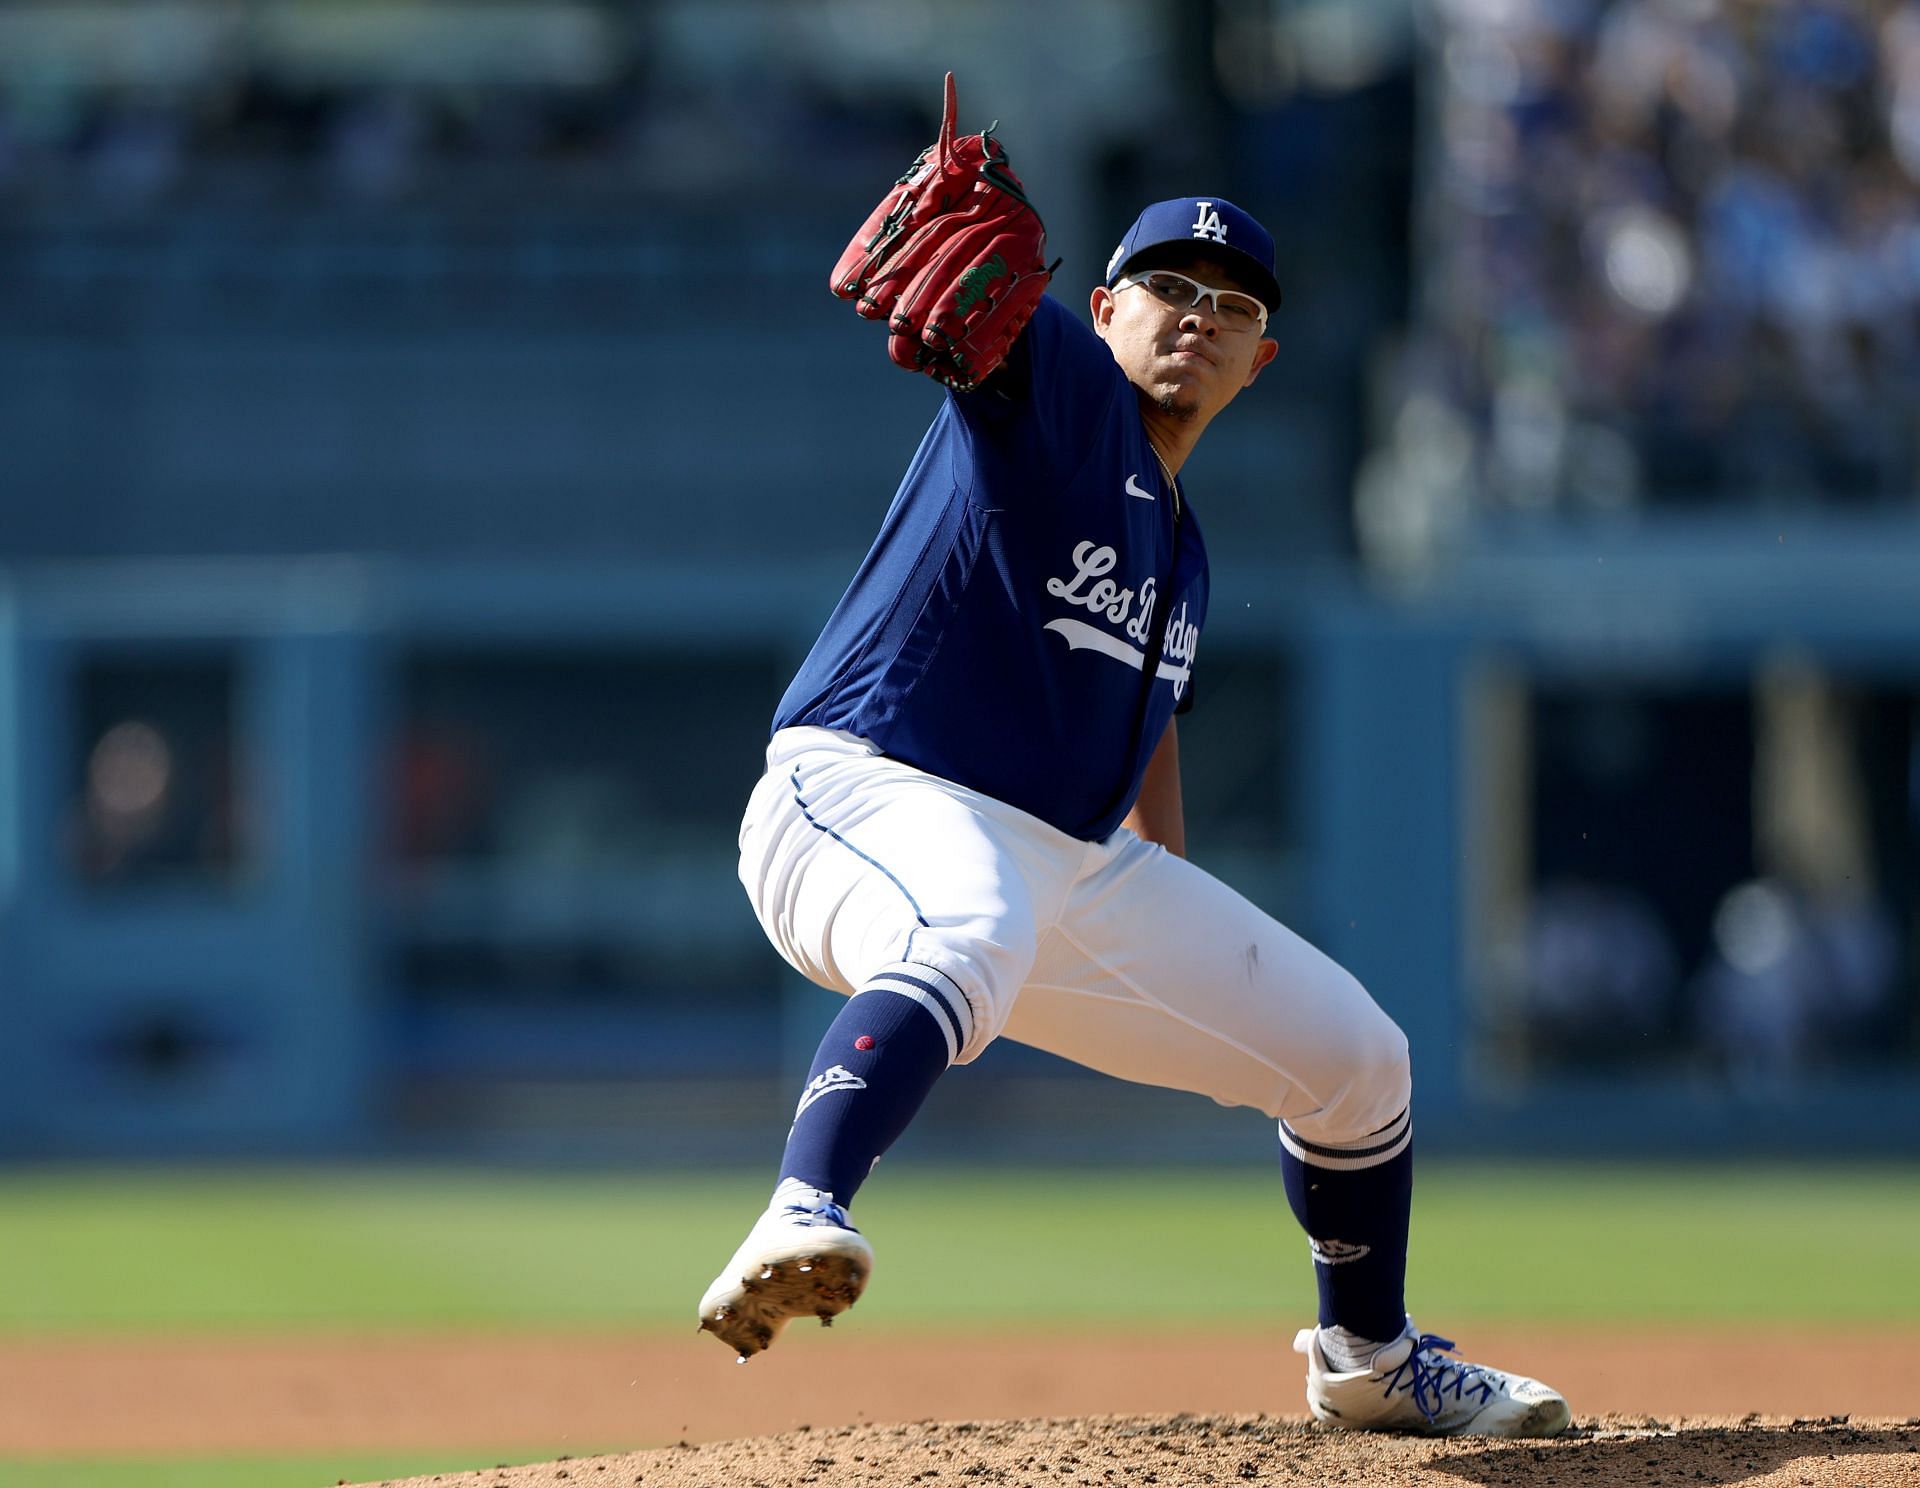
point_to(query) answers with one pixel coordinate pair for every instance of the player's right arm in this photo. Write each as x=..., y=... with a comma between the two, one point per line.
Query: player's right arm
x=1157, y=814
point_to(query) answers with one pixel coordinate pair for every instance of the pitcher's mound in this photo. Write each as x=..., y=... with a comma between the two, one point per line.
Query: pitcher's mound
x=1177, y=1451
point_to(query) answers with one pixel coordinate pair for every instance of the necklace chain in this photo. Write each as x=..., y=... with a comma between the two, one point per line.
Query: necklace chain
x=1172, y=484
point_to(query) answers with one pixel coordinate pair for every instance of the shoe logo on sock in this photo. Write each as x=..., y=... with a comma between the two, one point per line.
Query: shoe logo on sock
x=1337, y=1252
x=825, y=1083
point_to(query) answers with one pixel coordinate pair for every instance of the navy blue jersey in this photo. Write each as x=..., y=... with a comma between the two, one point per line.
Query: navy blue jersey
x=998, y=632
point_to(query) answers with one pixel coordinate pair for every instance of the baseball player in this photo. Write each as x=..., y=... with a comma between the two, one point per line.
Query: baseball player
x=970, y=823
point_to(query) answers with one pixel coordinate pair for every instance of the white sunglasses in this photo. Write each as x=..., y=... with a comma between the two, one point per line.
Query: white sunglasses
x=1234, y=310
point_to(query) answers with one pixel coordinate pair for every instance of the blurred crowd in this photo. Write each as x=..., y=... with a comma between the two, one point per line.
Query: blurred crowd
x=1671, y=251
x=1791, y=980
x=141, y=147
x=1757, y=922
x=254, y=134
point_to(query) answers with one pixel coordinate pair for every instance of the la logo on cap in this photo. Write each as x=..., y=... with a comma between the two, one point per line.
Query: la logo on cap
x=1208, y=224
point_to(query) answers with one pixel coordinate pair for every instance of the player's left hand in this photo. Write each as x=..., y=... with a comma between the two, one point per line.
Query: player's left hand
x=953, y=259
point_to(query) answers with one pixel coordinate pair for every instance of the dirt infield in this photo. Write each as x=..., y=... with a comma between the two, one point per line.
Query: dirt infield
x=1184, y=1450
x=470, y=1395
x=822, y=1409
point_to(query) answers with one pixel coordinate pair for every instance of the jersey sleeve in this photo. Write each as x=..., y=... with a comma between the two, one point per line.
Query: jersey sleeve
x=1053, y=393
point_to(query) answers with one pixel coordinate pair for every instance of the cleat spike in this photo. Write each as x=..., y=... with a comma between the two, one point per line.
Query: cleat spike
x=793, y=1265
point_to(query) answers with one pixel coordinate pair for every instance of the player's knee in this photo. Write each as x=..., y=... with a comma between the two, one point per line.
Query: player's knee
x=1383, y=1076
x=1374, y=1083
x=990, y=954
x=945, y=999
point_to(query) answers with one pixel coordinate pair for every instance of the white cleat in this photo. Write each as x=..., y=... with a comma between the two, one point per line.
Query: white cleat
x=1414, y=1385
x=802, y=1258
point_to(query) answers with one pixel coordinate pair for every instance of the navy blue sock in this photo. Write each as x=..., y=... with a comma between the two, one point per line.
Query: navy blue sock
x=1356, y=1203
x=875, y=1068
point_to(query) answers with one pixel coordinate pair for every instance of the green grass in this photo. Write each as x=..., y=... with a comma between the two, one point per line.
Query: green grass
x=212, y=1252
x=327, y=1250
x=244, y=1472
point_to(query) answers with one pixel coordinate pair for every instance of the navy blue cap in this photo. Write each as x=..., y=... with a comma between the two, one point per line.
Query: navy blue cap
x=1213, y=226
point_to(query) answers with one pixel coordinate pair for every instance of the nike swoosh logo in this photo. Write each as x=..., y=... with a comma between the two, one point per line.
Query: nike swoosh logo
x=1134, y=488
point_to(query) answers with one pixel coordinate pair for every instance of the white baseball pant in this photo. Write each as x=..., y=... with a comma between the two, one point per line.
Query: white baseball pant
x=1116, y=954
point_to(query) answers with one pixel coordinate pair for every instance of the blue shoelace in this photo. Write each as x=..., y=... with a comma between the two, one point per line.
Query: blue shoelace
x=1432, y=1383
x=832, y=1213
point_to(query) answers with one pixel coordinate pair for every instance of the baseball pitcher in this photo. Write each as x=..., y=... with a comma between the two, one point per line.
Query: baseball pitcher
x=970, y=824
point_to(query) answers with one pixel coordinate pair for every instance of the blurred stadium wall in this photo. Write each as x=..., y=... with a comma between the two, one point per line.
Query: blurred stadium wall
x=427, y=446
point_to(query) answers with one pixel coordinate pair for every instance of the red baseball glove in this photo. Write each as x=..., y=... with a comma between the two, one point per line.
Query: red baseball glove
x=952, y=259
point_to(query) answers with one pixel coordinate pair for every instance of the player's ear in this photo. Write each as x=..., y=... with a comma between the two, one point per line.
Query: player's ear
x=1265, y=352
x=1102, y=306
